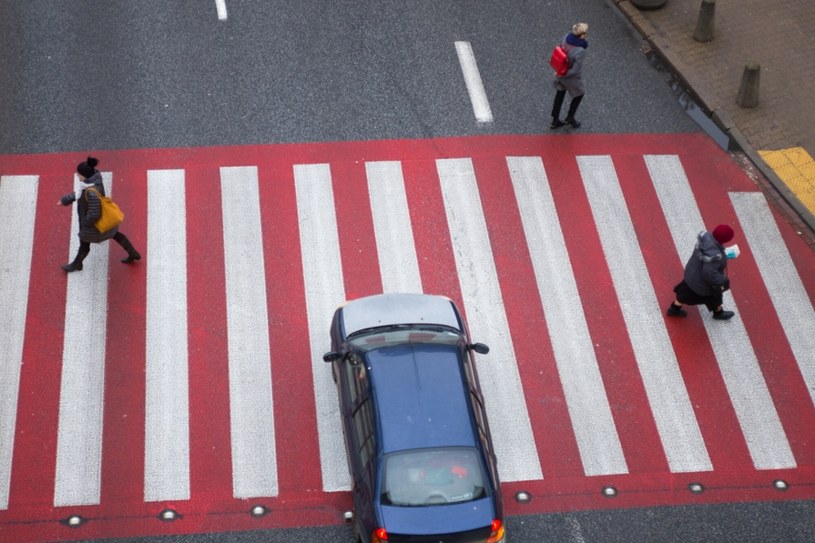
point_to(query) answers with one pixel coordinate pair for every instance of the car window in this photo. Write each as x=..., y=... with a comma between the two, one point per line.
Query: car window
x=399, y=335
x=364, y=427
x=356, y=377
x=432, y=477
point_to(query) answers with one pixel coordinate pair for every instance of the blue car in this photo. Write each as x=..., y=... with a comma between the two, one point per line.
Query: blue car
x=416, y=433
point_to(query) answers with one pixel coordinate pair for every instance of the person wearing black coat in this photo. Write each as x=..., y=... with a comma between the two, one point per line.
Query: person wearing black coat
x=705, y=280
x=89, y=209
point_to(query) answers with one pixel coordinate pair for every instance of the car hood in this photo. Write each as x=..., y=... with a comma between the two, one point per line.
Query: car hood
x=440, y=519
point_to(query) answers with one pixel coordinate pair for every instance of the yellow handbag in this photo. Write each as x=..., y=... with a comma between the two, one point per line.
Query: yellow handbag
x=111, y=216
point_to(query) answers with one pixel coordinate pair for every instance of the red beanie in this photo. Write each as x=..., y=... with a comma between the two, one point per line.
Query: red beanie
x=723, y=233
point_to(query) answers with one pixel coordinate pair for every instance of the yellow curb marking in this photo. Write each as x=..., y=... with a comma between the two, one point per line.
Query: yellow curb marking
x=796, y=168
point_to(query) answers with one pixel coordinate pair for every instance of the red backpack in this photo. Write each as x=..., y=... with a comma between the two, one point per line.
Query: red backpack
x=559, y=60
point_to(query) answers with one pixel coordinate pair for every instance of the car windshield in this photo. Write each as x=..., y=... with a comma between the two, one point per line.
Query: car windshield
x=388, y=336
x=432, y=477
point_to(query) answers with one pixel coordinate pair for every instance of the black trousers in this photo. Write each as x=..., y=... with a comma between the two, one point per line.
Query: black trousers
x=85, y=247
x=573, y=105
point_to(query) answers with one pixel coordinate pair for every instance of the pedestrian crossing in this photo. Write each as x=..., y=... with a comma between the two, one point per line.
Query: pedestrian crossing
x=195, y=376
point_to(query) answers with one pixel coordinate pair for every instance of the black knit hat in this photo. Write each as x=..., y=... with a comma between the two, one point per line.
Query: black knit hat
x=88, y=168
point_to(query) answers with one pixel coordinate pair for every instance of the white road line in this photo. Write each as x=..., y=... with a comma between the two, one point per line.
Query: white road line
x=18, y=206
x=758, y=418
x=79, y=439
x=325, y=290
x=167, y=431
x=678, y=429
x=792, y=304
x=589, y=410
x=504, y=396
x=392, y=227
x=475, y=88
x=220, y=5
x=254, y=460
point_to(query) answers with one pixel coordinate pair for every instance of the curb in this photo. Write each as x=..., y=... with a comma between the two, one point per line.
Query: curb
x=702, y=96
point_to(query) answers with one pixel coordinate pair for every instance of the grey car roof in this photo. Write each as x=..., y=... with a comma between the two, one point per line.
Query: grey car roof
x=398, y=308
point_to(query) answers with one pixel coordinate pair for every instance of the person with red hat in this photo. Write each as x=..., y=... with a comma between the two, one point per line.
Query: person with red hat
x=705, y=279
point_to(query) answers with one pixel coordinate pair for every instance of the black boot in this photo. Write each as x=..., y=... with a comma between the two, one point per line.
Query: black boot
x=723, y=315
x=132, y=254
x=676, y=311
x=76, y=265
x=573, y=105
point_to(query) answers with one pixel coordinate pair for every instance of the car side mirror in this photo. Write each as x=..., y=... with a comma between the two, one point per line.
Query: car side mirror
x=332, y=356
x=480, y=348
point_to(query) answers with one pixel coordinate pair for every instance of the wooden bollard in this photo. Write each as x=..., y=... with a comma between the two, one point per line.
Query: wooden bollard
x=748, y=90
x=704, y=25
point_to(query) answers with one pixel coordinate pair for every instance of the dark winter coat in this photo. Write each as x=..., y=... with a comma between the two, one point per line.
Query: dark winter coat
x=572, y=81
x=89, y=209
x=706, y=270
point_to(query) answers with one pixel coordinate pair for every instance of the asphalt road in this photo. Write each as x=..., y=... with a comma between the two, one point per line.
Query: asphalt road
x=90, y=75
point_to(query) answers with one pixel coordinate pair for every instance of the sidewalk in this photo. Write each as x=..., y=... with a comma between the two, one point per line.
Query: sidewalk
x=778, y=135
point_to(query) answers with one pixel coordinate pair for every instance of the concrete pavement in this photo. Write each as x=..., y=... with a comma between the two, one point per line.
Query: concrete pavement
x=778, y=135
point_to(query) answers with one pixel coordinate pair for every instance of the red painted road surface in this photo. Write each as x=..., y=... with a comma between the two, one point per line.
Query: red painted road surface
x=30, y=514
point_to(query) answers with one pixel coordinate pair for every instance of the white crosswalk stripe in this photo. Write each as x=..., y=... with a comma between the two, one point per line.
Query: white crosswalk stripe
x=254, y=463
x=322, y=272
x=18, y=199
x=394, y=234
x=79, y=441
x=792, y=304
x=167, y=434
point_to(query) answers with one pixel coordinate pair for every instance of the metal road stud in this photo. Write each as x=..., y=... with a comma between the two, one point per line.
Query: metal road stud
x=609, y=492
x=258, y=511
x=523, y=497
x=168, y=515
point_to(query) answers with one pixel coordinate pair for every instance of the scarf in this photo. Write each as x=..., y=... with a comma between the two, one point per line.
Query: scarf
x=571, y=39
x=82, y=186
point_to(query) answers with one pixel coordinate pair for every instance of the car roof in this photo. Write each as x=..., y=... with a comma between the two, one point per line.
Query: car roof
x=398, y=308
x=421, y=397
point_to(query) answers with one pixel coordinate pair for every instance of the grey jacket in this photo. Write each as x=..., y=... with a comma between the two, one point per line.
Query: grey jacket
x=573, y=80
x=706, y=270
x=89, y=209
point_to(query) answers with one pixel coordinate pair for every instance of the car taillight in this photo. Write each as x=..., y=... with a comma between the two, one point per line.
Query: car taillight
x=497, y=533
x=379, y=536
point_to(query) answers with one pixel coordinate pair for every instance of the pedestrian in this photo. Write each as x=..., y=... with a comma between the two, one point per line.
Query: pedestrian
x=705, y=278
x=89, y=209
x=572, y=82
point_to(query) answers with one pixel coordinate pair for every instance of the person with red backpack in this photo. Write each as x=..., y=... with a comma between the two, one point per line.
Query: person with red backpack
x=575, y=44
